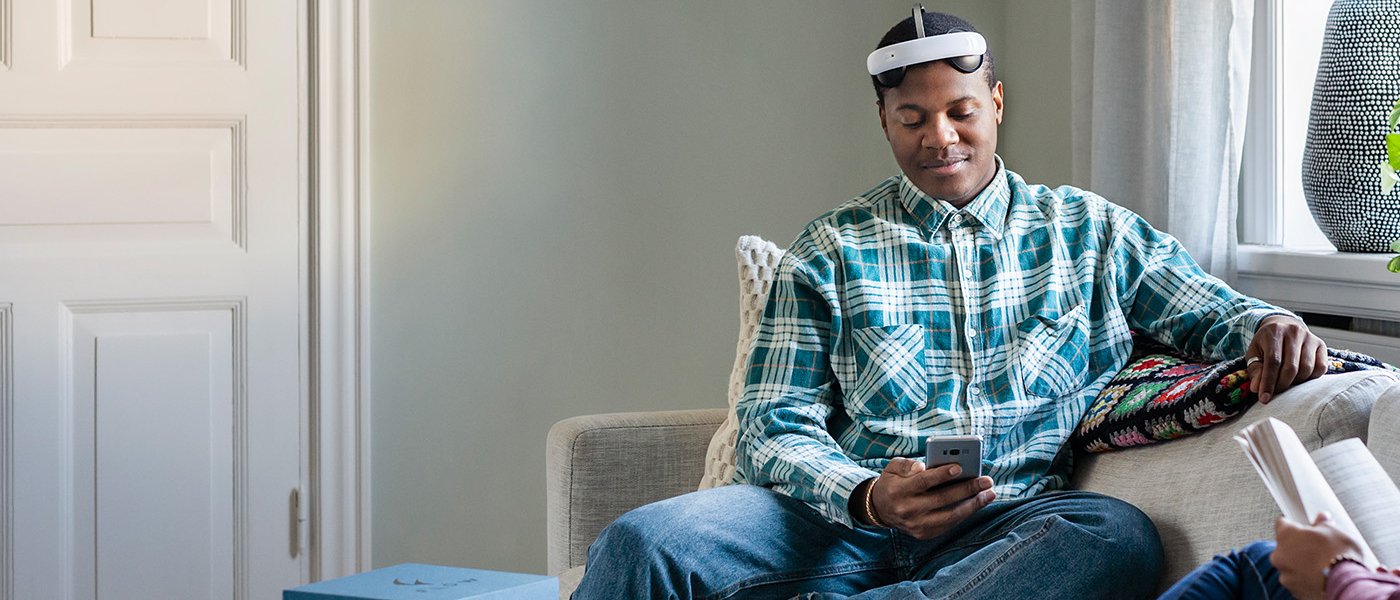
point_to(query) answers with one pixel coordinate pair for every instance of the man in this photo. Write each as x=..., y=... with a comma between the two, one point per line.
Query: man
x=952, y=299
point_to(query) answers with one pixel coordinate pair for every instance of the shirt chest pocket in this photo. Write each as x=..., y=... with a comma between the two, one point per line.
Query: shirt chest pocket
x=891, y=375
x=1053, y=352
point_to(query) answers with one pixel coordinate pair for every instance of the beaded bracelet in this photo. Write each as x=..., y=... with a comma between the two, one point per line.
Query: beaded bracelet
x=1327, y=570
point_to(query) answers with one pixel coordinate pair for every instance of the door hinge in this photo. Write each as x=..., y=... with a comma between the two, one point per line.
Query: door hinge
x=296, y=519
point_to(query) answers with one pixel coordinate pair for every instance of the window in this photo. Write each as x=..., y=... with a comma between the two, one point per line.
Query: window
x=1287, y=44
x=1283, y=257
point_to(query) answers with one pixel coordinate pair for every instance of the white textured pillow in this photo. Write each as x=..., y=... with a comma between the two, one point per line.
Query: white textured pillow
x=757, y=260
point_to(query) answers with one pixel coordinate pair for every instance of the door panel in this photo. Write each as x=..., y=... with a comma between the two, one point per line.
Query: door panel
x=151, y=298
x=154, y=451
x=104, y=33
x=134, y=180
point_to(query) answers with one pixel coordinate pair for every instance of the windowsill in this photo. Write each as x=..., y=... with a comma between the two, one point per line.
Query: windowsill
x=1322, y=281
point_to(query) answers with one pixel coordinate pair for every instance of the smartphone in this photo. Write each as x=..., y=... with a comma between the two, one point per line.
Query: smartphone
x=965, y=450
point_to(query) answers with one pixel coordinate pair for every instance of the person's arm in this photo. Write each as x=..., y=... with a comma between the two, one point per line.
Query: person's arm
x=1167, y=294
x=1350, y=580
x=791, y=391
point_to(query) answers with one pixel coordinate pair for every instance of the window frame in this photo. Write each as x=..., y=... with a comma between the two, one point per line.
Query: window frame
x=1261, y=163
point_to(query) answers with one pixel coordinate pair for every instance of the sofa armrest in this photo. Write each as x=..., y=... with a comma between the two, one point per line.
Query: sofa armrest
x=600, y=466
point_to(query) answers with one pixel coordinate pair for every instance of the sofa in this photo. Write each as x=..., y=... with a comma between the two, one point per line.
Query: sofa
x=1200, y=491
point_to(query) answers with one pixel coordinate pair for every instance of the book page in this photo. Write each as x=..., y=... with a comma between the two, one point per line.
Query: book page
x=1369, y=495
x=1294, y=479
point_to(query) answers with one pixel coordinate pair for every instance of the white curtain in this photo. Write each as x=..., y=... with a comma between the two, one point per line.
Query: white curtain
x=1161, y=89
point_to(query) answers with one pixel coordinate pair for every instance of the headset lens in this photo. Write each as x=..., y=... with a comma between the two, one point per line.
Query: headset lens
x=891, y=78
x=966, y=64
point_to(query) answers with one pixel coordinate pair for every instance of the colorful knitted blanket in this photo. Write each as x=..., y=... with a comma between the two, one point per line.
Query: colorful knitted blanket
x=1163, y=394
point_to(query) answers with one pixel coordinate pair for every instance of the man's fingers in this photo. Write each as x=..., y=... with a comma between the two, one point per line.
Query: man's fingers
x=1307, y=362
x=1254, y=364
x=934, y=489
x=939, y=521
x=1254, y=372
x=1269, y=358
x=908, y=476
x=1289, y=356
x=952, y=493
x=1259, y=381
x=1283, y=353
x=1320, y=367
x=934, y=477
x=904, y=467
x=898, y=466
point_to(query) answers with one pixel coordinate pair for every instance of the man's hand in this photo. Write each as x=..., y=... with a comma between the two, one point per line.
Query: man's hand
x=1304, y=550
x=1287, y=353
x=916, y=500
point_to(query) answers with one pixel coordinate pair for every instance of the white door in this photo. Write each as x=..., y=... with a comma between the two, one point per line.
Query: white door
x=150, y=298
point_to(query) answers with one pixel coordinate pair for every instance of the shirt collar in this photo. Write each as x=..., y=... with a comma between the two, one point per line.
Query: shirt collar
x=989, y=208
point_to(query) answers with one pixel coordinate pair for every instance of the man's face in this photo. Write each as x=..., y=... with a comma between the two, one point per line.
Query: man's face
x=942, y=128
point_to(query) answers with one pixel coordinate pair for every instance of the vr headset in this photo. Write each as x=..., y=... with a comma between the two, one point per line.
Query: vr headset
x=961, y=49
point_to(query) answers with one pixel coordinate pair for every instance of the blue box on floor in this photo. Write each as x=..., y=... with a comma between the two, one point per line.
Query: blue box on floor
x=411, y=581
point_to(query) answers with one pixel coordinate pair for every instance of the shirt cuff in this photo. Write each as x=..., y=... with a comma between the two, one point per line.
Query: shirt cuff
x=1251, y=319
x=844, y=481
x=1357, y=582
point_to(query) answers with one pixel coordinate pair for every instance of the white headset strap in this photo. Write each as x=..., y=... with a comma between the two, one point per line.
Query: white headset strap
x=925, y=49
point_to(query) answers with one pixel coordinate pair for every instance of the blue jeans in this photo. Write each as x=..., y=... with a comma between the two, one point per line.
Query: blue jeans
x=743, y=541
x=1246, y=574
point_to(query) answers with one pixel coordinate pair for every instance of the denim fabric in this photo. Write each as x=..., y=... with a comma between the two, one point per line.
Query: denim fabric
x=1244, y=574
x=743, y=541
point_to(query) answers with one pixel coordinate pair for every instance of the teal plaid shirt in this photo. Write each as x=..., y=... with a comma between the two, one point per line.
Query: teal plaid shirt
x=896, y=317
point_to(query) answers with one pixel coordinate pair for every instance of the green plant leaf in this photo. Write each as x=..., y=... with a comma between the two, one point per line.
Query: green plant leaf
x=1395, y=116
x=1392, y=149
x=1388, y=179
x=1394, y=265
x=1395, y=246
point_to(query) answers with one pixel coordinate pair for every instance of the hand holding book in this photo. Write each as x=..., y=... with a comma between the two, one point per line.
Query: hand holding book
x=1305, y=553
x=1341, y=519
x=1342, y=479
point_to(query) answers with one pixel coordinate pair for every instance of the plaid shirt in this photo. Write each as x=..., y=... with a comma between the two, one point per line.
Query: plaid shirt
x=896, y=317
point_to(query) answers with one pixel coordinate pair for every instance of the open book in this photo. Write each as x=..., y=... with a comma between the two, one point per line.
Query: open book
x=1342, y=479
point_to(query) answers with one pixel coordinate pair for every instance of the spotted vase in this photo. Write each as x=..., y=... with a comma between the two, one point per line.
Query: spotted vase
x=1358, y=81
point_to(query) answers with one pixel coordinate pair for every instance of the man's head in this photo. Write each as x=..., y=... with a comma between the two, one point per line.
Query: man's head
x=941, y=123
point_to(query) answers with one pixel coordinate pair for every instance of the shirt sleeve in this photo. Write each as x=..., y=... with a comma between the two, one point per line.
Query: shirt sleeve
x=790, y=391
x=1165, y=293
x=1351, y=580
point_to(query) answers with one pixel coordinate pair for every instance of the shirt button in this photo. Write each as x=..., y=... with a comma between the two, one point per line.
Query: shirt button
x=972, y=390
x=972, y=333
x=957, y=219
x=967, y=273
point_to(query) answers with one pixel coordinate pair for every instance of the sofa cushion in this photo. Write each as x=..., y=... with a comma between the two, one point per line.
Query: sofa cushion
x=1202, y=493
x=757, y=260
x=1163, y=395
